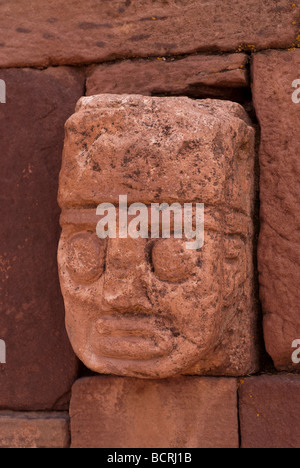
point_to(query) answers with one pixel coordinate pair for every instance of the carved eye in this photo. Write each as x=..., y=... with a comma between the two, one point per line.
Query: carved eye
x=85, y=257
x=171, y=260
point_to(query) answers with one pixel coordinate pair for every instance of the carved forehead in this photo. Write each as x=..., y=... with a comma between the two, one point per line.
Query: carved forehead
x=157, y=150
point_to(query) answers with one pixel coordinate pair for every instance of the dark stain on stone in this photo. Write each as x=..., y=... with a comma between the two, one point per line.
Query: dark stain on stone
x=86, y=26
x=121, y=10
x=128, y=3
x=165, y=45
x=52, y=20
x=167, y=130
x=2, y=44
x=48, y=36
x=23, y=30
x=96, y=167
x=154, y=18
x=100, y=44
x=280, y=9
x=140, y=37
x=218, y=147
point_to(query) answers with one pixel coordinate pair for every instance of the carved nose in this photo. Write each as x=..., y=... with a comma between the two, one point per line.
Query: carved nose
x=125, y=295
x=123, y=288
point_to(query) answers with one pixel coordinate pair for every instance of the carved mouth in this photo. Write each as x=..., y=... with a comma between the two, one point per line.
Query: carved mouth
x=133, y=337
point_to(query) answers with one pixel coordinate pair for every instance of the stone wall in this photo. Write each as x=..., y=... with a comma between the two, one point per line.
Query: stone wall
x=52, y=53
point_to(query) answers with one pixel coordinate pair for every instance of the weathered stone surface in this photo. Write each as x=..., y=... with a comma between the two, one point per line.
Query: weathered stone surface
x=43, y=32
x=196, y=76
x=41, y=366
x=186, y=412
x=278, y=253
x=151, y=307
x=34, y=430
x=270, y=412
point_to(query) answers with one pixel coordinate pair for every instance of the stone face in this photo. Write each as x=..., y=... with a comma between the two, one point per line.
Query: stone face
x=150, y=307
x=278, y=253
x=43, y=32
x=186, y=412
x=40, y=366
x=34, y=430
x=269, y=412
x=196, y=76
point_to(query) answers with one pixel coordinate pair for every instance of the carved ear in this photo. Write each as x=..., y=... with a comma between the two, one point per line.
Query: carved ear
x=235, y=268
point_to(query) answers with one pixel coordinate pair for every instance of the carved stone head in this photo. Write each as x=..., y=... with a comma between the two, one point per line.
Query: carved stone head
x=152, y=308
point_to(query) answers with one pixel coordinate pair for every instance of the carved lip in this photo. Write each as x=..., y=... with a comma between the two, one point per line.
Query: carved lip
x=133, y=337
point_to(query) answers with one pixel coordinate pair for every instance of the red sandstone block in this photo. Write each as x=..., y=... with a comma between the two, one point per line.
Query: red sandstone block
x=270, y=412
x=43, y=32
x=41, y=366
x=186, y=412
x=199, y=75
x=34, y=430
x=274, y=73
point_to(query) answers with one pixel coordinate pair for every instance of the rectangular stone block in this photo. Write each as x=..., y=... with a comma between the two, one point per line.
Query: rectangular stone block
x=43, y=32
x=275, y=75
x=40, y=365
x=187, y=412
x=270, y=412
x=34, y=430
x=196, y=76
